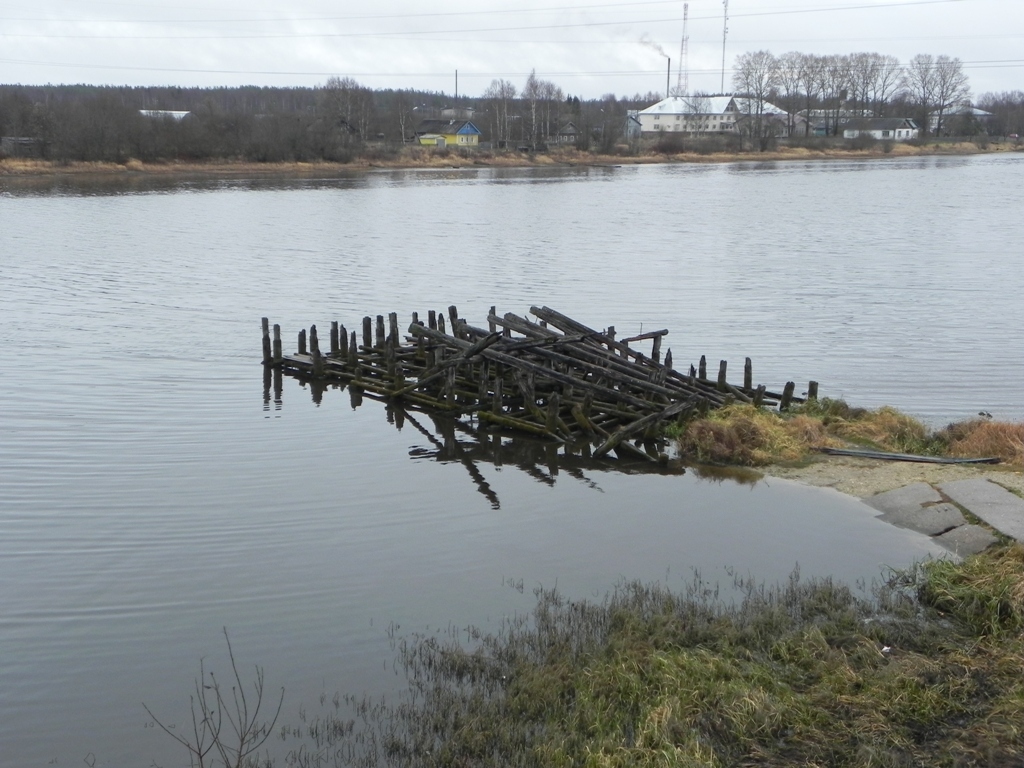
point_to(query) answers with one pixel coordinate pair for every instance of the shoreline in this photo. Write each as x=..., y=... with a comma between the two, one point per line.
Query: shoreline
x=863, y=478
x=21, y=167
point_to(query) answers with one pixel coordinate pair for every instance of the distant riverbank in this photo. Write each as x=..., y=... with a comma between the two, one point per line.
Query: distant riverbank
x=420, y=157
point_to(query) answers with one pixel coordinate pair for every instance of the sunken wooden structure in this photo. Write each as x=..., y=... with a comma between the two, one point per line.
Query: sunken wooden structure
x=553, y=377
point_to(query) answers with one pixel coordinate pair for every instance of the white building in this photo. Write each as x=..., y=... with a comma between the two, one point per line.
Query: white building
x=882, y=128
x=704, y=114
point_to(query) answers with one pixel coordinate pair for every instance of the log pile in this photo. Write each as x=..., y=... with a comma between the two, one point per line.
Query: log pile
x=553, y=376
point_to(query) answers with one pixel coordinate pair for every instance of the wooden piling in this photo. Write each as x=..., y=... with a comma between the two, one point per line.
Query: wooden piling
x=368, y=332
x=268, y=355
x=812, y=390
x=787, y=396
x=302, y=342
x=748, y=374
x=277, y=344
x=378, y=340
x=722, y=366
x=702, y=368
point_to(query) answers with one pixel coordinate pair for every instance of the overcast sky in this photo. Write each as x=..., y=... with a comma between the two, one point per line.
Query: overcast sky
x=587, y=47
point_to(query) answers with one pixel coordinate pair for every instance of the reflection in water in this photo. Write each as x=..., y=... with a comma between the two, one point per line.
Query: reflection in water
x=466, y=442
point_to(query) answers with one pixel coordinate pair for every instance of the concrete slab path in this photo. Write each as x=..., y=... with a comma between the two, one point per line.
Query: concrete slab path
x=993, y=504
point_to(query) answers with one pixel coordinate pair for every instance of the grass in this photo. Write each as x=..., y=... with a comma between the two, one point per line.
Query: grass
x=749, y=436
x=925, y=671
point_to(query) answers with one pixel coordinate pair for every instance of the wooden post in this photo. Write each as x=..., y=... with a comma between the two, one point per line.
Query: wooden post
x=453, y=315
x=759, y=395
x=334, y=338
x=668, y=358
x=302, y=342
x=393, y=327
x=314, y=342
x=440, y=324
x=721, y=375
x=491, y=325
x=277, y=344
x=353, y=355
x=748, y=374
x=432, y=320
x=787, y=396
x=342, y=342
x=702, y=369
x=496, y=398
x=267, y=354
x=378, y=342
x=812, y=390
x=610, y=333
x=416, y=318
x=656, y=349
x=367, y=332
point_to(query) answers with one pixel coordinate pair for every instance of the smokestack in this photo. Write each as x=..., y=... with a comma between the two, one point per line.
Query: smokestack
x=668, y=76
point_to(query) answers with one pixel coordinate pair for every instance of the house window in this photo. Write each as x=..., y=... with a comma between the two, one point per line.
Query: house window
x=657, y=118
x=885, y=134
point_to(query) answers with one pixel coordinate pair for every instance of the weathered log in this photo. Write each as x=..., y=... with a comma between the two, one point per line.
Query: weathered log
x=642, y=423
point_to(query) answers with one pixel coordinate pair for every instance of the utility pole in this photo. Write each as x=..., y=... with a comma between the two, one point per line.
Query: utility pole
x=725, y=33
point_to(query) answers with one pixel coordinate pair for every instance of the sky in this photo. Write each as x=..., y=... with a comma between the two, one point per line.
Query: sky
x=587, y=47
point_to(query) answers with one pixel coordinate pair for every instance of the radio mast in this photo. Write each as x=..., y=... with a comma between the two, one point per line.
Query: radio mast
x=725, y=32
x=683, y=81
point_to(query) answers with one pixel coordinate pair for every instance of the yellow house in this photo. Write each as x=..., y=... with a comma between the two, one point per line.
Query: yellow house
x=448, y=133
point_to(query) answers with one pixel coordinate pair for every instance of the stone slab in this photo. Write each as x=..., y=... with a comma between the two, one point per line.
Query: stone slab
x=932, y=520
x=990, y=502
x=967, y=540
x=906, y=499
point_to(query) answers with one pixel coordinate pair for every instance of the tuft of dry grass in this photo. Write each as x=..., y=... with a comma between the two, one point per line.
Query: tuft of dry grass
x=981, y=437
x=748, y=436
x=886, y=428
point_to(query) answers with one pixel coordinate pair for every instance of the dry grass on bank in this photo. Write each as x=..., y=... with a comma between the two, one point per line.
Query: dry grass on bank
x=386, y=157
x=749, y=436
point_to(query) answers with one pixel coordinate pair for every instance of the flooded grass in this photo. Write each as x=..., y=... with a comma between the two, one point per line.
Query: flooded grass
x=749, y=436
x=924, y=670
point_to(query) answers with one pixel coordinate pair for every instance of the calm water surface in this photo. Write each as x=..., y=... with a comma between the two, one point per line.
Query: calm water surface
x=149, y=496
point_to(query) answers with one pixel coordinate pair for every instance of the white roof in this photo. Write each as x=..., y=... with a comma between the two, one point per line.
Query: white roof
x=172, y=113
x=704, y=105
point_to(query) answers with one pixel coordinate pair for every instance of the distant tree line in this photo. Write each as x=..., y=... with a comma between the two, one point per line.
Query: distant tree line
x=336, y=121
x=342, y=119
x=831, y=88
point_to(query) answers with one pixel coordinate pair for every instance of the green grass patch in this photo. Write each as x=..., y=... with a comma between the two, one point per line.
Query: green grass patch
x=926, y=670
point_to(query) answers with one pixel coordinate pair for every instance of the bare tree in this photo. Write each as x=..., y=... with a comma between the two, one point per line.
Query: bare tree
x=951, y=88
x=213, y=709
x=501, y=94
x=889, y=81
x=532, y=92
x=755, y=78
x=922, y=85
x=698, y=108
x=834, y=84
x=790, y=80
x=810, y=80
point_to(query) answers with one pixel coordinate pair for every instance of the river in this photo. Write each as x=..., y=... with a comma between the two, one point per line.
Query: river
x=149, y=496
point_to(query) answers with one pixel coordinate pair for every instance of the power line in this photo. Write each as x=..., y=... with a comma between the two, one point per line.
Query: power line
x=490, y=12
x=981, y=64
x=419, y=33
